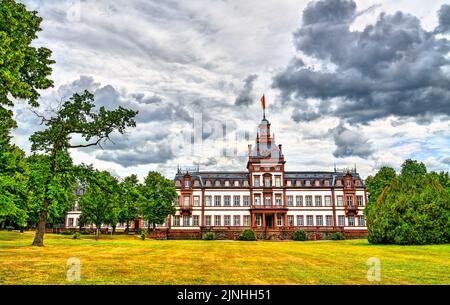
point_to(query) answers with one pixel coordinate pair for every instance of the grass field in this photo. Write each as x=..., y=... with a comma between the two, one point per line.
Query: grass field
x=129, y=260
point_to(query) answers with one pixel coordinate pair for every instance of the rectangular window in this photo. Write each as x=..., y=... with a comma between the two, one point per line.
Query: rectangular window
x=308, y=201
x=226, y=220
x=328, y=201
x=196, y=218
x=186, y=221
x=290, y=200
x=318, y=201
x=176, y=221
x=70, y=222
x=290, y=220
x=186, y=184
x=341, y=220
x=329, y=220
x=217, y=220
x=267, y=181
x=361, y=221
x=256, y=182
x=349, y=183
x=226, y=201
x=351, y=221
x=309, y=220
x=350, y=201
x=319, y=221
x=246, y=220
x=299, y=200
x=359, y=200
x=258, y=220
x=246, y=201
x=340, y=201
x=196, y=201
x=217, y=201
x=207, y=220
x=257, y=200
x=208, y=201
x=236, y=220
x=280, y=220
x=278, y=200
x=186, y=201
x=267, y=201
x=277, y=181
x=237, y=201
x=300, y=220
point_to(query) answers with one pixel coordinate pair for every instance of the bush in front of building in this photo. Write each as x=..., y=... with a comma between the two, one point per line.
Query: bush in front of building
x=67, y=232
x=143, y=234
x=337, y=236
x=248, y=235
x=208, y=236
x=76, y=235
x=9, y=228
x=299, y=235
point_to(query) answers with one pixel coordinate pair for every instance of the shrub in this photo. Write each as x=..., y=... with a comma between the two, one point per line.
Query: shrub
x=9, y=228
x=67, y=232
x=337, y=236
x=247, y=234
x=208, y=236
x=76, y=235
x=299, y=235
x=143, y=234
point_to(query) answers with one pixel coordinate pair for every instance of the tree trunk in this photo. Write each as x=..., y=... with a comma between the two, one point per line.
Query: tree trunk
x=97, y=232
x=40, y=229
x=154, y=226
x=127, y=229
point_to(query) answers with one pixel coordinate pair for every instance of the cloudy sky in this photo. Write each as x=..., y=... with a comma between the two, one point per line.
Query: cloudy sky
x=362, y=82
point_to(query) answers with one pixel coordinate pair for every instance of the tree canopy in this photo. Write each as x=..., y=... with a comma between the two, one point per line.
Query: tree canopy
x=413, y=208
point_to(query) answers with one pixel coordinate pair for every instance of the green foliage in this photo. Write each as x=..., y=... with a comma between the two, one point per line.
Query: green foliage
x=143, y=234
x=299, y=235
x=337, y=236
x=129, y=200
x=99, y=205
x=57, y=185
x=208, y=236
x=67, y=232
x=248, y=235
x=9, y=228
x=23, y=69
x=76, y=235
x=158, y=197
x=413, y=209
x=375, y=185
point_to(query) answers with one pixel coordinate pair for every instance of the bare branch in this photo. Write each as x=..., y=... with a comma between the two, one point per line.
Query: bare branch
x=43, y=118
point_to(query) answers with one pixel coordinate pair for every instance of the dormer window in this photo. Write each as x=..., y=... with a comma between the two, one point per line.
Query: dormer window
x=339, y=183
x=196, y=183
x=217, y=183
x=298, y=183
x=357, y=183
x=327, y=182
x=308, y=183
x=177, y=183
x=227, y=183
x=245, y=183
x=349, y=183
x=208, y=183
x=186, y=184
x=317, y=183
x=288, y=182
x=236, y=183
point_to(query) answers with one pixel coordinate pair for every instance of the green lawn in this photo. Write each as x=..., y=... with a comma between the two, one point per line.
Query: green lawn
x=129, y=260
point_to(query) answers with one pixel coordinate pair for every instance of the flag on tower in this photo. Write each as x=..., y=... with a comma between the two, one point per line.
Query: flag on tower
x=263, y=102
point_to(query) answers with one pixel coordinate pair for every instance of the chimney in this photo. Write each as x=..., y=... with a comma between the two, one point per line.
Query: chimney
x=249, y=149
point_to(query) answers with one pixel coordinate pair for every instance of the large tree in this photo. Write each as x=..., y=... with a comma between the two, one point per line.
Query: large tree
x=159, y=195
x=129, y=202
x=99, y=205
x=23, y=69
x=76, y=117
x=413, y=209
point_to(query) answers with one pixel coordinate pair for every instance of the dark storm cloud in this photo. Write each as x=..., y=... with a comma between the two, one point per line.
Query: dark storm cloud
x=445, y=160
x=245, y=97
x=392, y=67
x=444, y=19
x=350, y=143
x=155, y=154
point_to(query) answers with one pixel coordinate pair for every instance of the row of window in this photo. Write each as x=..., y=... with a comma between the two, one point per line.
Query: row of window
x=267, y=183
x=308, y=200
x=235, y=220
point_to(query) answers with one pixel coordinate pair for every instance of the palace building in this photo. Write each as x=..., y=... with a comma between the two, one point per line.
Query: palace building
x=265, y=197
x=269, y=199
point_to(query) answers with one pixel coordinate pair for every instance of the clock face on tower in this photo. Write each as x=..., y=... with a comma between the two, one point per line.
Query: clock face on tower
x=264, y=131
